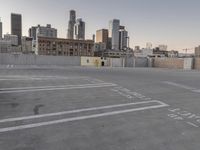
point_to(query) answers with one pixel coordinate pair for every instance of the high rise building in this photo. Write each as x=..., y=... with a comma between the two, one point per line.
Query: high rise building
x=102, y=36
x=149, y=45
x=16, y=26
x=93, y=37
x=162, y=47
x=1, y=30
x=79, y=30
x=114, y=33
x=45, y=31
x=41, y=31
x=72, y=21
x=197, y=51
x=123, y=39
x=32, y=32
x=121, y=27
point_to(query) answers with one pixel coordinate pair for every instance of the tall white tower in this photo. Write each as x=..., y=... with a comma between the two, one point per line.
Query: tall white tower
x=114, y=33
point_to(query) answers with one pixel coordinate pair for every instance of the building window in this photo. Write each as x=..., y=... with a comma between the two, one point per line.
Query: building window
x=71, y=52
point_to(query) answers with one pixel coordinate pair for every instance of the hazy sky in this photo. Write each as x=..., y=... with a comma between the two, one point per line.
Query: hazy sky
x=172, y=22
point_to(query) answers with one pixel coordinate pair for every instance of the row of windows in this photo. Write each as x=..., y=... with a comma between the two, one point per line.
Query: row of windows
x=71, y=50
x=64, y=43
x=81, y=46
x=71, y=53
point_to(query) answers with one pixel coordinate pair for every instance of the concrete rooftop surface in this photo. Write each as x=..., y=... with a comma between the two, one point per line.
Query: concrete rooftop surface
x=81, y=108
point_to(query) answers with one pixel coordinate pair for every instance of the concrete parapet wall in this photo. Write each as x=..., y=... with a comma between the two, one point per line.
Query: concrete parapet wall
x=171, y=63
x=136, y=62
x=116, y=62
x=21, y=59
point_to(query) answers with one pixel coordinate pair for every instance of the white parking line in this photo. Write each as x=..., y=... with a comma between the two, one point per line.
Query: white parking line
x=182, y=86
x=179, y=85
x=55, y=86
x=78, y=111
x=192, y=124
x=22, y=78
x=52, y=88
x=111, y=113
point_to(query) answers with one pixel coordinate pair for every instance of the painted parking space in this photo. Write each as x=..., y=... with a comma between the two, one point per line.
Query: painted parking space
x=139, y=101
x=87, y=108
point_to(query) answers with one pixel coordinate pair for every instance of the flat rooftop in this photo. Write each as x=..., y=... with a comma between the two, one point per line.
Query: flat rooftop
x=79, y=108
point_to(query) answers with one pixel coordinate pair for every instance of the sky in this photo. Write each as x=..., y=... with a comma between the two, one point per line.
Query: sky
x=175, y=23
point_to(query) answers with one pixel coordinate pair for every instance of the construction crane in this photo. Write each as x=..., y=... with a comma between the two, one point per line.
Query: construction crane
x=187, y=49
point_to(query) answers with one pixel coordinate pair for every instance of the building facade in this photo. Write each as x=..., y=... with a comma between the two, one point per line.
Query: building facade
x=123, y=39
x=32, y=32
x=163, y=47
x=72, y=21
x=1, y=30
x=27, y=45
x=12, y=38
x=102, y=37
x=9, y=44
x=145, y=52
x=16, y=26
x=197, y=51
x=64, y=47
x=45, y=31
x=5, y=46
x=99, y=47
x=114, y=33
x=79, y=30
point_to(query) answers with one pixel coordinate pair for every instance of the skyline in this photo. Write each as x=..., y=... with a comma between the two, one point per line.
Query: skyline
x=174, y=23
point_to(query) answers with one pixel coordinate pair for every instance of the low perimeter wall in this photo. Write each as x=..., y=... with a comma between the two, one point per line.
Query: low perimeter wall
x=171, y=63
x=21, y=59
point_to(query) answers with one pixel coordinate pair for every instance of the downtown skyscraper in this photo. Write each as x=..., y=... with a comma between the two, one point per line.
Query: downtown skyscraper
x=123, y=38
x=79, y=29
x=16, y=26
x=1, y=30
x=72, y=21
x=114, y=33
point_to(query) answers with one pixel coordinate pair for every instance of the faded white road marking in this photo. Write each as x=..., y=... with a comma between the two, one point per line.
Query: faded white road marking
x=197, y=91
x=77, y=111
x=130, y=95
x=185, y=116
x=55, y=86
x=192, y=124
x=179, y=85
x=21, y=78
x=52, y=88
x=34, y=125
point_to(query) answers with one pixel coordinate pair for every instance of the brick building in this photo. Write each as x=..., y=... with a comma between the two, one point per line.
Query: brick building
x=64, y=47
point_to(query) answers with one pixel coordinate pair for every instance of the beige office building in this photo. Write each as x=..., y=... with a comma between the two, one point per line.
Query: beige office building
x=102, y=36
x=197, y=51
